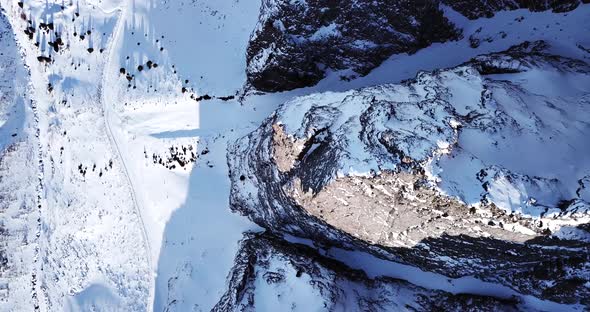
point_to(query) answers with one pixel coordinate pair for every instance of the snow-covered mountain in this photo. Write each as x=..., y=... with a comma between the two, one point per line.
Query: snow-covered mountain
x=297, y=42
x=274, y=155
x=417, y=171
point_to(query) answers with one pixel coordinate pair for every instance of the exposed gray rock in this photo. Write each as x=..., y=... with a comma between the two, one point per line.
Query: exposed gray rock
x=277, y=273
x=296, y=42
x=488, y=8
x=389, y=170
x=523, y=57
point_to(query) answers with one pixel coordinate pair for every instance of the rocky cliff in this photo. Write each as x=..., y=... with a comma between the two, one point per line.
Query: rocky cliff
x=458, y=171
x=297, y=42
x=487, y=8
x=270, y=273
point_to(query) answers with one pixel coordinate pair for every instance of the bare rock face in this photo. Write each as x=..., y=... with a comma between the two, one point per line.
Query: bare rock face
x=487, y=8
x=296, y=42
x=272, y=274
x=456, y=172
x=524, y=57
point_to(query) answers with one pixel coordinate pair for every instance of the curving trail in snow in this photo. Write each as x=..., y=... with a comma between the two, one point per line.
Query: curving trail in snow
x=105, y=100
x=85, y=245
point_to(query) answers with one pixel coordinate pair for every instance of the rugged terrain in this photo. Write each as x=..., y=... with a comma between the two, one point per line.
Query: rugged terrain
x=270, y=274
x=276, y=155
x=297, y=42
x=430, y=172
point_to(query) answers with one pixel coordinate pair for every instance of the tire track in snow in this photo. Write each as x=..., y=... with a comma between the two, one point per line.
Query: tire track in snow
x=37, y=288
x=113, y=140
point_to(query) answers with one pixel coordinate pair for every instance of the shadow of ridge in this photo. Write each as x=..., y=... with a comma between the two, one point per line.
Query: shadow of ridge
x=200, y=238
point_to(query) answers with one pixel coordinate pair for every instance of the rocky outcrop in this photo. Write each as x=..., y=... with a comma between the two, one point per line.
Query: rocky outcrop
x=435, y=172
x=524, y=57
x=297, y=42
x=270, y=273
x=487, y=8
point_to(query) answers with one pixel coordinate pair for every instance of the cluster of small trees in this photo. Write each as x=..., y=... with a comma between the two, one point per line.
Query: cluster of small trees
x=84, y=169
x=49, y=37
x=176, y=156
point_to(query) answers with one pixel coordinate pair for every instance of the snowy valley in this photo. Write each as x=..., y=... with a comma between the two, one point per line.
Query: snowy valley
x=275, y=155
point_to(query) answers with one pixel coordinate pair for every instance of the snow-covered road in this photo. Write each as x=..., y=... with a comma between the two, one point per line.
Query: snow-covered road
x=106, y=101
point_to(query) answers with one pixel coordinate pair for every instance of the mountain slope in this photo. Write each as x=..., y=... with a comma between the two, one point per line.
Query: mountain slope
x=271, y=274
x=428, y=155
x=298, y=43
x=418, y=171
x=90, y=247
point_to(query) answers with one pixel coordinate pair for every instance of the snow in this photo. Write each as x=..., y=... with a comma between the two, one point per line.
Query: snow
x=564, y=31
x=95, y=296
x=294, y=293
x=325, y=32
x=12, y=101
x=377, y=267
x=85, y=235
x=568, y=232
x=529, y=138
x=18, y=176
x=137, y=236
x=206, y=39
x=550, y=119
